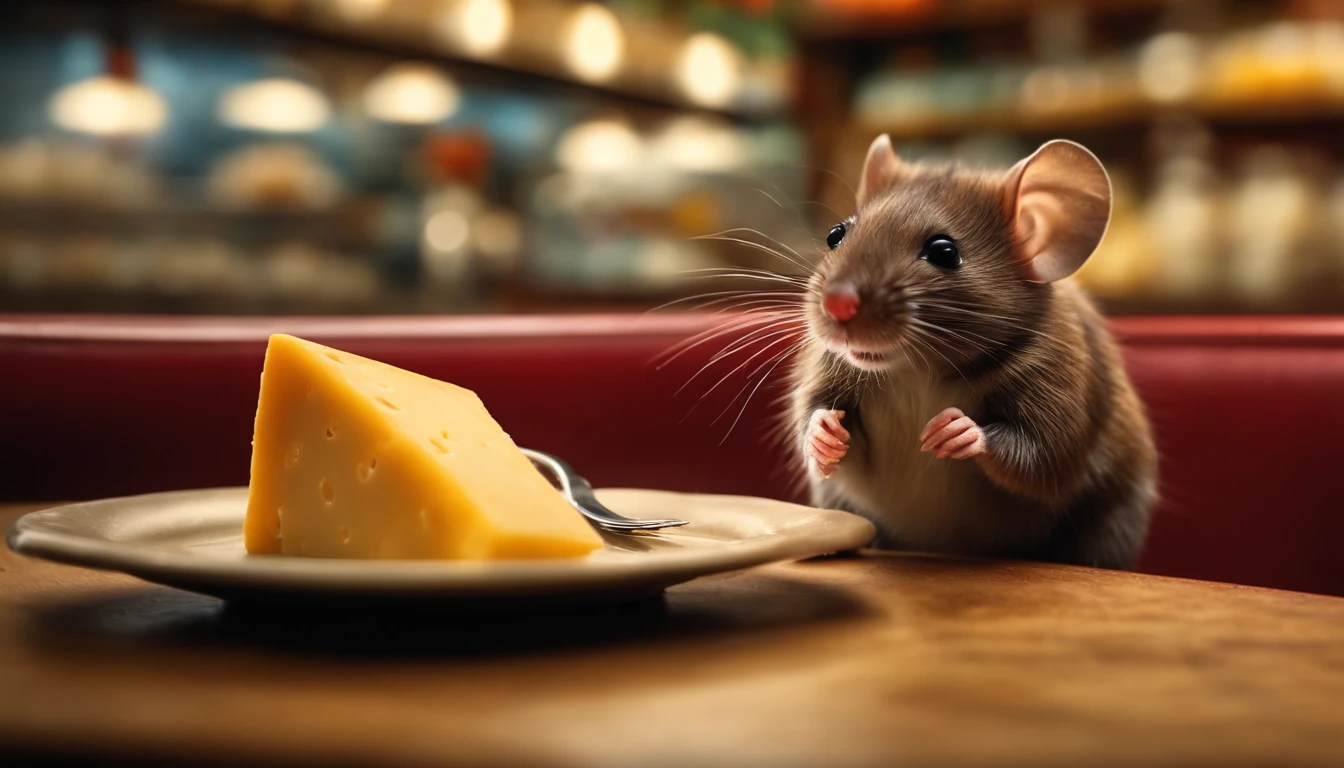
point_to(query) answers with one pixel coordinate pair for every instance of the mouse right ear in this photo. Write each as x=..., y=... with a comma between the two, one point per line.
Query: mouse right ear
x=879, y=169
x=1060, y=201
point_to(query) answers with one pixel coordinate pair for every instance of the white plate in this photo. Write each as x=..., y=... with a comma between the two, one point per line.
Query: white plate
x=193, y=540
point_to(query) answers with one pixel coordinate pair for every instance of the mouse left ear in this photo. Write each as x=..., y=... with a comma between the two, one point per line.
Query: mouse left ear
x=879, y=168
x=1060, y=201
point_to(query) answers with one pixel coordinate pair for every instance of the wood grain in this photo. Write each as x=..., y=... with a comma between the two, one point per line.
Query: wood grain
x=880, y=659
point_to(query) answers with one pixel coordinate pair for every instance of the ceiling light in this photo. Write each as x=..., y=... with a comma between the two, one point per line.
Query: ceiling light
x=274, y=105
x=594, y=43
x=599, y=146
x=411, y=93
x=709, y=70
x=358, y=10
x=108, y=106
x=480, y=27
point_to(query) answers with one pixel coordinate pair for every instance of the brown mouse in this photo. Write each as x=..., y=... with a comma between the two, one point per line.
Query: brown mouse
x=954, y=388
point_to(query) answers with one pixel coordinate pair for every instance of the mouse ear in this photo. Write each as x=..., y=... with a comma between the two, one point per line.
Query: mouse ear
x=1060, y=200
x=879, y=168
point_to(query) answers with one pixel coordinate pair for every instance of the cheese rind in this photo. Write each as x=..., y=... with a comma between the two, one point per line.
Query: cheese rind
x=353, y=458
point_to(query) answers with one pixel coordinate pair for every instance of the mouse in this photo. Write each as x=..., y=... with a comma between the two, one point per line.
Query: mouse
x=954, y=386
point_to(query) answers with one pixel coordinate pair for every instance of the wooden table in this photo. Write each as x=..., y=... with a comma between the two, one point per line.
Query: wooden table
x=877, y=660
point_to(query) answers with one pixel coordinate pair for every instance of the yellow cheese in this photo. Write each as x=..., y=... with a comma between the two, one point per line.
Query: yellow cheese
x=354, y=458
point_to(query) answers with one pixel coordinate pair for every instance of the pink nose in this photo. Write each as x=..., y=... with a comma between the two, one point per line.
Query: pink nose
x=841, y=302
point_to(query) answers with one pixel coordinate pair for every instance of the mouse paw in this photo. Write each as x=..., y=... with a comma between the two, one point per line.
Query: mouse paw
x=952, y=435
x=827, y=441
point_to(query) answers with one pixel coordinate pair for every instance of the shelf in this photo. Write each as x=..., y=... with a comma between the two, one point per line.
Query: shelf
x=827, y=27
x=1283, y=111
x=528, y=61
x=344, y=224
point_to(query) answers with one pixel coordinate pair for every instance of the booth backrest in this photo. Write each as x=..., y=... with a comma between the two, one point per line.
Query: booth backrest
x=1248, y=415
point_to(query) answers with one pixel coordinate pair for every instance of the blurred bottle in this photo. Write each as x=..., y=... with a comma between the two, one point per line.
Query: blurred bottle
x=1334, y=223
x=1270, y=215
x=60, y=170
x=1182, y=223
x=277, y=175
x=1125, y=265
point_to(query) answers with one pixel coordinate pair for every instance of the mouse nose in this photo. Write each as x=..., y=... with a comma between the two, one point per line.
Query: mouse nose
x=841, y=302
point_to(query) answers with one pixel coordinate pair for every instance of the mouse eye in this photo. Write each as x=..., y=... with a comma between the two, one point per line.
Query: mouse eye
x=836, y=235
x=941, y=252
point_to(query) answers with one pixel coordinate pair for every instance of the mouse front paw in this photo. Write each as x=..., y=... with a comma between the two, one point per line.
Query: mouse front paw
x=952, y=435
x=827, y=441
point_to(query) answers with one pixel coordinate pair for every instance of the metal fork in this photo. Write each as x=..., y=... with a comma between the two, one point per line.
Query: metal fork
x=581, y=495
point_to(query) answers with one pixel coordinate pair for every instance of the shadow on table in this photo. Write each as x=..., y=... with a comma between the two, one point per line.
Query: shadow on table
x=160, y=617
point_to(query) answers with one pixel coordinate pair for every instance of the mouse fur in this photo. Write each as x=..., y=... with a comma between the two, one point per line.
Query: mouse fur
x=1040, y=447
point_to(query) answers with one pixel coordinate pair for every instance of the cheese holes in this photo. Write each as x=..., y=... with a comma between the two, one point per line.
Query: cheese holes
x=328, y=493
x=292, y=455
x=279, y=518
x=365, y=471
x=441, y=446
x=331, y=433
x=333, y=357
x=388, y=404
x=344, y=533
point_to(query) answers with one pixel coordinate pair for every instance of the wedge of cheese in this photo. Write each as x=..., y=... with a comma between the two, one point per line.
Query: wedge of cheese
x=353, y=458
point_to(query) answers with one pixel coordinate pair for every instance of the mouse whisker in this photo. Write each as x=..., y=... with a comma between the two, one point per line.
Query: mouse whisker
x=771, y=346
x=772, y=362
x=753, y=244
x=788, y=354
x=715, y=272
x=940, y=329
x=774, y=329
x=746, y=270
x=755, y=232
x=800, y=259
x=723, y=297
x=751, y=337
x=1008, y=322
x=739, y=302
x=747, y=320
x=916, y=332
x=796, y=220
x=837, y=177
x=786, y=335
x=906, y=348
x=756, y=306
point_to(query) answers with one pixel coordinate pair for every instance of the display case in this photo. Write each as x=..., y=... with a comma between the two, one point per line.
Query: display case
x=1217, y=119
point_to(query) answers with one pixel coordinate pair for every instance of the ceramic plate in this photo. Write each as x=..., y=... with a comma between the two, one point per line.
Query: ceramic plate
x=193, y=540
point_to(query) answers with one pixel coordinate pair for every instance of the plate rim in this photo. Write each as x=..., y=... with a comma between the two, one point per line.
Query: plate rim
x=836, y=530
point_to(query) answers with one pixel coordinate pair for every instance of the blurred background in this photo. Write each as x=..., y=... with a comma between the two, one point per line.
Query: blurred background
x=452, y=156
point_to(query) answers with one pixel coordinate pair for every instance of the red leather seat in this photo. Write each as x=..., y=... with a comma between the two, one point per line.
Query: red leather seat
x=1247, y=413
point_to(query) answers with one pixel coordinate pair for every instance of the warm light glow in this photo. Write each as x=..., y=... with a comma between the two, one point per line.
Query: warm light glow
x=599, y=146
x=594, y=43
x=709, y=70
x=1045, y=89
x=480, y=27
x=447, y=231
x=411, y=93
x=1169, y=67
x=275, y=105
x=498, y=237
x=108, y=106
x=695, y=144
x=359, y=10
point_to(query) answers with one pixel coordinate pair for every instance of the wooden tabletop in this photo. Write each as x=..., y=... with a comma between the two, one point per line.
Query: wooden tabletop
x=881, y=659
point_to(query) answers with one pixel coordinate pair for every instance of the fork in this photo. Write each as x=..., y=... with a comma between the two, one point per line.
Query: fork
x=580, y=493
